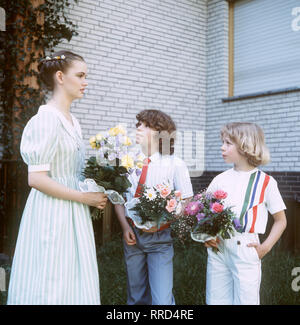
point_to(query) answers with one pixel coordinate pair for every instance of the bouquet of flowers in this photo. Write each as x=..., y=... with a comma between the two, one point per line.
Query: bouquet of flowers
x=156, y=206
x=107, y=170
x=210, y=217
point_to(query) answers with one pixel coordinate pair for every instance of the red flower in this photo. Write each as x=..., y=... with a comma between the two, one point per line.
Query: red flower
x=219, y=195
x=217, y=207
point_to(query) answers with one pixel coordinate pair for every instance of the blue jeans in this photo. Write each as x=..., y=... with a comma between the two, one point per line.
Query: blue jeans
x=149, y=266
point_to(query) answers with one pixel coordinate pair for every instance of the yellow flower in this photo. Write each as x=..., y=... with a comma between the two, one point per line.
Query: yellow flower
x=139, y=164
x=93, y=142
x=117, y=130
x=127, y=141
x=99, y=137
x=127, y=162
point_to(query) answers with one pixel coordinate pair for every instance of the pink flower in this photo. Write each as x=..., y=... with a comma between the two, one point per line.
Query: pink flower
x=177, y=194
x=192, y=208
x=165, y=192
x=171, y=205
x=159, y=186
x=217, y=207
x=219, y=195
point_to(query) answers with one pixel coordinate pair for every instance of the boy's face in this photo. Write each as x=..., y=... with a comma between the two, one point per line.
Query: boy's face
x=144, y=134
x=230, y=153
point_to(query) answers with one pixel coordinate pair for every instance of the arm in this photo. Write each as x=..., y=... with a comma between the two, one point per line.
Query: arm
x=128, y=233
x=43, y=183
x=276, y=231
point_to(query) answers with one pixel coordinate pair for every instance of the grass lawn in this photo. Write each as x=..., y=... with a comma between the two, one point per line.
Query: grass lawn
x=189, y=275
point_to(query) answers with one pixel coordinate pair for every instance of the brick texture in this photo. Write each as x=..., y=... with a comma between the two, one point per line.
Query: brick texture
x=141, y=55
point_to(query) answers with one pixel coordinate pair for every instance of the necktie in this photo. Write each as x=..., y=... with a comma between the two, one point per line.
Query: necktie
x=142, y=177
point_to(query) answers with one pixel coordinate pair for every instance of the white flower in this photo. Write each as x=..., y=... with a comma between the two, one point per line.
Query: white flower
x=178, y=209
x=112, y=156
x=150, y=194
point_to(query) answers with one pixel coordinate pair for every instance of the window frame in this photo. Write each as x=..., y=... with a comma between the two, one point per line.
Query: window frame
x=231, y=96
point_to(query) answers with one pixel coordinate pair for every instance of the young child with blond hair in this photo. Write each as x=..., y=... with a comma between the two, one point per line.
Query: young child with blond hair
x=234, y=273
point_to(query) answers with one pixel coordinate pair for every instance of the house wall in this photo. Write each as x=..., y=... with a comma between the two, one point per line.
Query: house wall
x=141, y=55
x=278, y=115
x=172, y=55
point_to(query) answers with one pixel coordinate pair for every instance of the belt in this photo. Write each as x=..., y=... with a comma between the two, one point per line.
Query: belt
x=163, y=227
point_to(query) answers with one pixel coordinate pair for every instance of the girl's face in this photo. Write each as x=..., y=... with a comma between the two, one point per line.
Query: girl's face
x=230, y=153
x=74, y=79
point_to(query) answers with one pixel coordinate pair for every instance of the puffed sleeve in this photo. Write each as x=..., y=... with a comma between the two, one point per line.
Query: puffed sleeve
x=39, y=141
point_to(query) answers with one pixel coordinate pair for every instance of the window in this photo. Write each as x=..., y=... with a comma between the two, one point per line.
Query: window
x=264, y=46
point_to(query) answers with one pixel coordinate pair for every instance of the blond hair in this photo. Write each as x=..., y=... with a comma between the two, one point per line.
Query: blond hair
x=250, y=141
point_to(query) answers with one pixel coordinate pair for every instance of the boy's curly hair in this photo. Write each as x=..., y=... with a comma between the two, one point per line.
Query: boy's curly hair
x=163, y=123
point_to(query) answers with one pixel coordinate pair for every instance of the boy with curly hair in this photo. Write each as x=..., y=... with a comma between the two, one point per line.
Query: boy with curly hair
x=149, y=253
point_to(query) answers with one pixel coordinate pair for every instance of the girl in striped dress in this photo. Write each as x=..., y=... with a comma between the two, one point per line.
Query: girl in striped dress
x=55, y=258
x=234, y=273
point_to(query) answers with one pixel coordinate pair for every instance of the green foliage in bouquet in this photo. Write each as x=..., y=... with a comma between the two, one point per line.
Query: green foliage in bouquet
x=110, y=177
x=206, y=214
x=216, y=224
x=211, y=216
x=157, y=205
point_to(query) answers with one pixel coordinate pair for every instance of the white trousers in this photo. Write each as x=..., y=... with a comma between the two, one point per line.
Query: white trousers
x=234, y=273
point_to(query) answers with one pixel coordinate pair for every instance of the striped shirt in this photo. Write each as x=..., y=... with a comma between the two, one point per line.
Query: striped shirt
x=164, y=169
x=251, y=195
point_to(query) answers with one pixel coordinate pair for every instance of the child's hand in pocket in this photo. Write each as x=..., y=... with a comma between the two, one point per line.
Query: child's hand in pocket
x=261, y=250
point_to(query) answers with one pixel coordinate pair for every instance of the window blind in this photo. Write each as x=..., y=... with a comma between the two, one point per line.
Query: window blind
x=266, y=45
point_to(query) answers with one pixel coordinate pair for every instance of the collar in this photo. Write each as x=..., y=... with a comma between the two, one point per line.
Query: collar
x=72, y=130
x=157, y=157
x=249, y=172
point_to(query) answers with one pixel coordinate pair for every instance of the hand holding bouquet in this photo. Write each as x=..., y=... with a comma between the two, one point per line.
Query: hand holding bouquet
x=107, y=170
x=155, y=207
x=211, y=218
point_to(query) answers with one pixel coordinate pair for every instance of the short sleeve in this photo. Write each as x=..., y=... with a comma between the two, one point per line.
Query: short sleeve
x=39, y=141
x=182, y=180
x=274, y=201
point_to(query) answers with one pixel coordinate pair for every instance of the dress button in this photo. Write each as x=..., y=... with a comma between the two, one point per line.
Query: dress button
x=238, y=242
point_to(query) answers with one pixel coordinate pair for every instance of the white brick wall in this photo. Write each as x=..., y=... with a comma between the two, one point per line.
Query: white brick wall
x=278, y=115
x=172, y=55
x=141, y=55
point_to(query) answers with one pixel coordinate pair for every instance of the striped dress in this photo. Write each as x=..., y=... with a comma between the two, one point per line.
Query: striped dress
x=55, y=258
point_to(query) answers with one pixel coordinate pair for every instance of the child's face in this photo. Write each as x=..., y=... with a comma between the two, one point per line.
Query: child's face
x=144, y=134
x=230, y=153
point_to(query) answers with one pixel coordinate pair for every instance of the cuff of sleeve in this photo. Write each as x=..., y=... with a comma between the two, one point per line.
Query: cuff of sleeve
x=277, y=209
x=38, y=168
